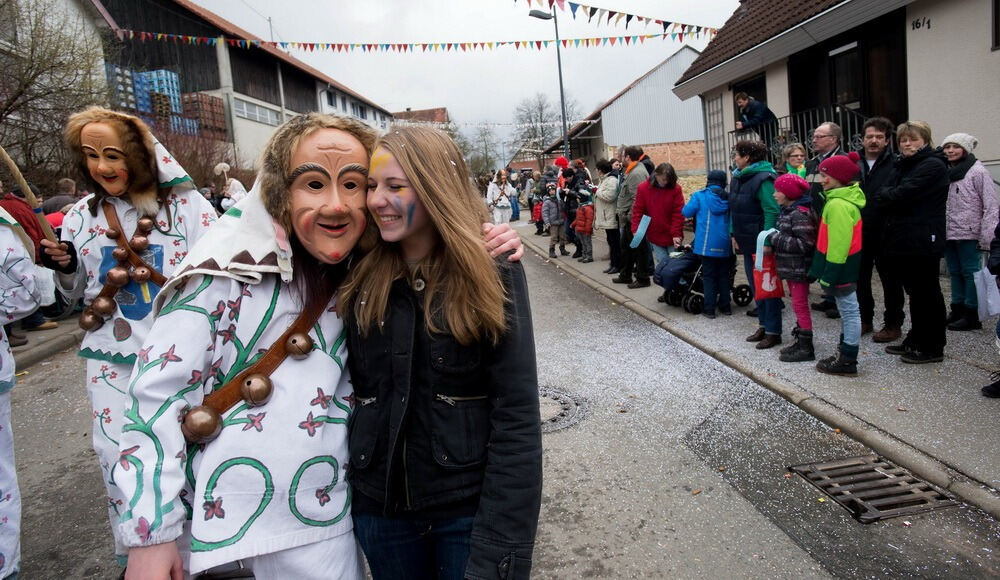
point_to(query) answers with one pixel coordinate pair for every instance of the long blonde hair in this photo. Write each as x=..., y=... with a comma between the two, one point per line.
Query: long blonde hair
x=463, y=287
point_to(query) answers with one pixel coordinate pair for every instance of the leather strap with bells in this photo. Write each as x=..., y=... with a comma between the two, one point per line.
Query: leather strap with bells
x=253, y=386
x=129, y=253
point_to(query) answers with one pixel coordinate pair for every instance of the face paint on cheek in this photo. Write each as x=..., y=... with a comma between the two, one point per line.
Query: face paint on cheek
x=123, y=174
x=409, y=213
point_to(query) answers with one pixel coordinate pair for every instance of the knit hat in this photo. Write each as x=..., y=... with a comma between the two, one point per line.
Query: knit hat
x=843, y=168
x=791, y=186
x=963, y=140
x=716, y=177
x=561, y=162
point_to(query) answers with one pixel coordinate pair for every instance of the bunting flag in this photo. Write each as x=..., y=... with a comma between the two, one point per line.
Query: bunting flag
x=618, y=15
x=673, y=35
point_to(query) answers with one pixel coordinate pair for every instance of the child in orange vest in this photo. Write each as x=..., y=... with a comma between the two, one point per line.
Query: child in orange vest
x=583, y=225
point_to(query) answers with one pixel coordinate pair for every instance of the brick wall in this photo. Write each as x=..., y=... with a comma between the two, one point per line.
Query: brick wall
x=687, y=157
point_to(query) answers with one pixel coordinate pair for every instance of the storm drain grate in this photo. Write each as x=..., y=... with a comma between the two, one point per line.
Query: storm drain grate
x=559, y=409
x=872, y=488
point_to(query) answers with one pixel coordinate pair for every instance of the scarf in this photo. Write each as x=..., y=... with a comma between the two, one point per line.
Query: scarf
x=800, y=170
x=957, y=171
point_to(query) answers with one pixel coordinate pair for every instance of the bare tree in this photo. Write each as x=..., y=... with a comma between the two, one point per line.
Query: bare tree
x=539, y=123
x=484, y=151
x=199, y=154
x=51, y=67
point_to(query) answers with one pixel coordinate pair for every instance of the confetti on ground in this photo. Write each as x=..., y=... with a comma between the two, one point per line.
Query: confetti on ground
x=788, y=476
x=902, y=409
x=821, y=500
x=907, y=524
x=836, y=430
x=22, y=374
x=695, y=492
x=722, y=468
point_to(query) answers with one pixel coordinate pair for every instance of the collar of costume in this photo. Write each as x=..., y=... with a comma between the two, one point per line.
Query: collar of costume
x=169, y=173
x=244, y=244
x=7, y=220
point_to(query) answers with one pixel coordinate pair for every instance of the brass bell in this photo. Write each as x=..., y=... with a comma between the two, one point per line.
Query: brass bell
x=119, y=254
x=103, y=306
x=141, y=274
x=201, y=424
x=90, y=320
x=112, y=233
x=299, y=345
x=256, y=389
x=118, y=276
x=146, y=225
x=139, y=243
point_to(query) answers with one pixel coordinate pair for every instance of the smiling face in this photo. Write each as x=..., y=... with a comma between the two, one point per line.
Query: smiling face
x=327, y=185
x=398, y=212
x=953, y=152
x=106, y=159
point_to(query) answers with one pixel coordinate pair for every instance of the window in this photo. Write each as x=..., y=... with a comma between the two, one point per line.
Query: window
x=248, y=110
x=996, y=24
x=358, y=110
x=331, y=99
x=343, y=103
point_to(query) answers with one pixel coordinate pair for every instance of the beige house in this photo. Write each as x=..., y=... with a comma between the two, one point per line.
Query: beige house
x=847, y=60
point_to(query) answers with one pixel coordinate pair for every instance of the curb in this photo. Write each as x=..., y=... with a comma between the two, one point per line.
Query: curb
x=43, y=350
x=881, y=442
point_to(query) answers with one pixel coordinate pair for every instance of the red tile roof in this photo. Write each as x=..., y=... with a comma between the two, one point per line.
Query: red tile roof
x=237, y=32
x=438, y=115
x=753, y=22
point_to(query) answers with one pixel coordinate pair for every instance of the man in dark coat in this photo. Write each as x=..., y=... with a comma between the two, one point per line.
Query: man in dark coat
x=755, y=116
x=878, y=163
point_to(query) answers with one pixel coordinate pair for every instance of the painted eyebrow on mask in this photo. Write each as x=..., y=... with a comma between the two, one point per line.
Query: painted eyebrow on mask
x=305, y=168
x=353, y=167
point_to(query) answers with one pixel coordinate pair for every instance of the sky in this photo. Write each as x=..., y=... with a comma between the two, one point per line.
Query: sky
x=481, y=86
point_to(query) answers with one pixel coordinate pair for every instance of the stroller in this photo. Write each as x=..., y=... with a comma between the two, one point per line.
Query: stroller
x=680, y=277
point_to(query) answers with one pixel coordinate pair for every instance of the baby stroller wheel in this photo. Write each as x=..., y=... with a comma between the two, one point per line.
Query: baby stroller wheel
x=675, y=297
x=694, y=303
x=742, y=295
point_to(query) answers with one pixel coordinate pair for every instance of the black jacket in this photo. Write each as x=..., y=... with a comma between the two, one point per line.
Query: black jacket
x=812, y=176
x=914, y=205
x=872, y=180
x=439, y=424
x=994, y=260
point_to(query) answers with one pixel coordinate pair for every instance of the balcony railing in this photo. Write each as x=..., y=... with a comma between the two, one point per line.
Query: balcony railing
x=798, y=128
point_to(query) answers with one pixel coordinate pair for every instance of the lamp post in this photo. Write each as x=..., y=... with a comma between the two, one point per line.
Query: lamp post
x=542, y=15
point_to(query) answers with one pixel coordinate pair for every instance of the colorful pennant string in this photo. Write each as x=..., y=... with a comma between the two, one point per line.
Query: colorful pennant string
x=607, y=15
x=678, y=34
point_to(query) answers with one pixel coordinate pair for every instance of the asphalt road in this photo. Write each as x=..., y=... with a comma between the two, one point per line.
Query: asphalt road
x=677, y=469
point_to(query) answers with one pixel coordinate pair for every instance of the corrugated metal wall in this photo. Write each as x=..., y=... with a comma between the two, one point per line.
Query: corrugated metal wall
x=649, y=112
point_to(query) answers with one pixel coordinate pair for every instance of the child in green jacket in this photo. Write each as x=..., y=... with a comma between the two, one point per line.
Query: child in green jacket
x=838, y=256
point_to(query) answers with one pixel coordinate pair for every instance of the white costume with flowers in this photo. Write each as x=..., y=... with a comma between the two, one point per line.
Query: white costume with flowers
x=18, y=297
x=274, y=479
x=111, y=349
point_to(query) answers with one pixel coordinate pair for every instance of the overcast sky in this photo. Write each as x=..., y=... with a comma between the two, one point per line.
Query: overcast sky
x=474, y=86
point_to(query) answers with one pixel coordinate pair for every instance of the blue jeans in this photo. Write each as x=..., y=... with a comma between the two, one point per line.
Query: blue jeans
x=515, y=209
x=962, y=257
x=769, y=309
x=715, y=279
x=660, y=253
x=850, y=318
x=415, y=548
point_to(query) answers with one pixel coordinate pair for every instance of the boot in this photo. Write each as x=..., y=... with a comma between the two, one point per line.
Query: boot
x=888, y=333
x=968, y=321
x=552, y=252
x=992, y=390
x=562, y=250
x=578, y=253
x=802, y=350
x=795, y=343
x=956, y=313
x=843, y=363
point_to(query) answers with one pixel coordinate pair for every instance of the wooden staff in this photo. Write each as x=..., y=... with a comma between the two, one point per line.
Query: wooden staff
x=29, y=196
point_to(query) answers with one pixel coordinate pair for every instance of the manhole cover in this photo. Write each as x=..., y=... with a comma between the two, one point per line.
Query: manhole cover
x=559, y=409
x=872, y=488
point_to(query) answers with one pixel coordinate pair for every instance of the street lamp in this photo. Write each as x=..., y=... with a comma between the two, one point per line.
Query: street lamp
x=542, y=15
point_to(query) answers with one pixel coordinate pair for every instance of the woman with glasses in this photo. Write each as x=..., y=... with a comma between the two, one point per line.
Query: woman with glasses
x=793, y=160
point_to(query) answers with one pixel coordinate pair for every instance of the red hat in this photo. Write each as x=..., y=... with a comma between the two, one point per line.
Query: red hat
x=561, y=161
x=843, y=168
x=792, y=186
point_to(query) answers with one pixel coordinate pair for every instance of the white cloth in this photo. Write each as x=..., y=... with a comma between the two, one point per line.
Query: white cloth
x=274, y=479
x=497, y=196
x=501, y=215
x=337, y=558
x=236, y=190
x=10, y=496
x=122, y=336
x=18, y=292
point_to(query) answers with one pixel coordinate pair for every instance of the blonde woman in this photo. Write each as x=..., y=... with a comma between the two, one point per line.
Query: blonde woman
x=445, y=439
x=793, y=160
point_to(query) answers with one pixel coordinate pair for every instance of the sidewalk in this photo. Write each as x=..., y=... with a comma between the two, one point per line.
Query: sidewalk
x=929, y=418
x=42, y=344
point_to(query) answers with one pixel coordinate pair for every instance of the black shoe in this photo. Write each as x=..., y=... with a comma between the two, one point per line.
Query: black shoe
x=832, y=312
x=899, y=349
x=957, y=311
x=992, y=390
x=607, y=270
x=838, y=365
x=552, y=253
x=639, y=283
x=619, y=280
x=823, y=305
x=578, y=253
x=578, y=258
x=662, y=298
x=587, y=260
x=613, y=271
x=968, y=321
x=752, y=312
x=795, y=341
x=757, y=336
x=726, y=312
x=918, y=357
x=708, y=315
x=563, y=251
x=802, y=350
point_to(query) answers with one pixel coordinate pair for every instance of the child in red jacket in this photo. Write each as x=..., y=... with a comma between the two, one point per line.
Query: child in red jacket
x=583, y=225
